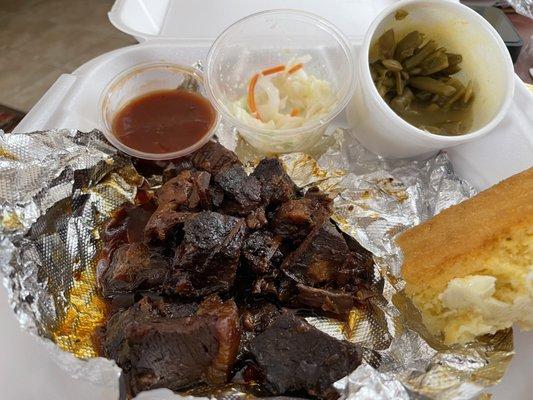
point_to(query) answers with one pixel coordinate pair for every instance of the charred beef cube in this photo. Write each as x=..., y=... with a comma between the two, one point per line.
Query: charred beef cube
x=328, y=301
x=186, y=192
x=296, y=218
x=255, y=318
x=275, y=285
x=127, y=225
x=277, y=187
x=258, y=316
x=267, y=285
x=164, y=222
x=161, y=346
x=175, y=167
x=364, y=260
x=189, y=190
x=228, y=334
x=132, y=267
x=259, y=250
x=256, y=219
x=328, y=278
x=206, y=260
x=242, y=193
x=213, y=157
x=294, y=357
x=323, y=258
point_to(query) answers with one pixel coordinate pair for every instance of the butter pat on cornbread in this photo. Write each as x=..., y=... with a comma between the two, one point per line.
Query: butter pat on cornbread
x=469, y=269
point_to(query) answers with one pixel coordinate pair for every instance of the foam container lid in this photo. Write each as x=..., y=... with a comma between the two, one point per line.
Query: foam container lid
x=201, y=21
x=181, y=31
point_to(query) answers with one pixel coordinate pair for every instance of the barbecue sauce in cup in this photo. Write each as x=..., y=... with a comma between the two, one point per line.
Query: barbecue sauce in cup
x=164, y=121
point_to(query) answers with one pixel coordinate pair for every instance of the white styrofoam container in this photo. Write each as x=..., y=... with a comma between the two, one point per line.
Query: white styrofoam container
x=181, y=31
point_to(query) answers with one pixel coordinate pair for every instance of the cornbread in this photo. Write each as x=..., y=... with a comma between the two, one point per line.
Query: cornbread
x=470, y=268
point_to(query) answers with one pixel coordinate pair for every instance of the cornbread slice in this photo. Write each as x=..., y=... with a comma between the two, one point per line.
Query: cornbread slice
x=470, y=268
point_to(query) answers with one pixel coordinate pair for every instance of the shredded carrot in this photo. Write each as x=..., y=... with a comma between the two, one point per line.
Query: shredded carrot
x=295, y=68
x=252, y=107
x=251, y=95
x=273, y=70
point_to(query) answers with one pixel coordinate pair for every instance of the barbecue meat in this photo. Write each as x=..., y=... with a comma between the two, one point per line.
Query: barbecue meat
x=256, y=219
x=259, y=250
x=188, y=191
x=206, y=260
x=175, y=167
x=295, y=357
x=327, y=301
x=228, y=333
x=363, y=258
x=213, y=157
x=132, y=267
x=175, y=347
x=127, y=225
x=276, y=186
x=164, y=222
x=323, y=258
x=329, y=275
x=213, y=230
x=258, y=316
x=295, y=218
x=242, y=193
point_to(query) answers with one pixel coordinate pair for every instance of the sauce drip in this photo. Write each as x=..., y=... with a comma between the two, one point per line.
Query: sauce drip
x=164, y=121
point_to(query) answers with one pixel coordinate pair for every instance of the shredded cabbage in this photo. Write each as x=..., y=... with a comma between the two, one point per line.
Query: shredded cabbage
x=286, y=99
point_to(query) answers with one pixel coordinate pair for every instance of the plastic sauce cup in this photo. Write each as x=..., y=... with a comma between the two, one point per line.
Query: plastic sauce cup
x=268, y=39
x=459, y=29
x=138, y=81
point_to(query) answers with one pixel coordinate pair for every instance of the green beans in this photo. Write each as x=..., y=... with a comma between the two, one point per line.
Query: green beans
x=454, y=59
x=417, y=58
x=431, y=85
x=392, y=65
x=433, y=107
x=468, y=92
x=407, y=46
x=451, y=70
x=415, y=78
x=399, y=83
x=387, y=44
x=458, y=94
x=400, y=14
x=435, y=62
x=402, y=102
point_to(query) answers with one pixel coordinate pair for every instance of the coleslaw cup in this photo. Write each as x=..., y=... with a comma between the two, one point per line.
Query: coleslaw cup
x=271, y=38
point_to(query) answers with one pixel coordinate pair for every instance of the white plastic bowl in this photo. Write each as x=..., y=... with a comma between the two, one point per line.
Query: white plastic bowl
x=461, y=30
x=271, y=38
x=140, y=80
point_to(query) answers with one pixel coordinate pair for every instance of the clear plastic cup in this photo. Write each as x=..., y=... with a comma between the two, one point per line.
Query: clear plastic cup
x=267, y=39
x=140, y=80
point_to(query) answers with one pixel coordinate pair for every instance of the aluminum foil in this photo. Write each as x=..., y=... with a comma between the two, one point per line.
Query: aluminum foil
x=57, y=188
x=524, y=7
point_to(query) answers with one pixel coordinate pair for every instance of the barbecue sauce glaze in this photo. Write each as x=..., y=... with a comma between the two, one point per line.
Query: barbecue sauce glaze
x=164, y=121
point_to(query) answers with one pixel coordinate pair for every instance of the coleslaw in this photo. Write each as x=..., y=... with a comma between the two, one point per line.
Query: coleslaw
x=284, y=97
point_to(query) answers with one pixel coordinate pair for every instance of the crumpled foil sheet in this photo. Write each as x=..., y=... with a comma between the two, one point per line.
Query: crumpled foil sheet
x=524, y=7
x=57, y=188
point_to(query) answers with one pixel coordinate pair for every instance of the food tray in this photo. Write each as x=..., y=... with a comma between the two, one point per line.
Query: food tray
x=169, y=32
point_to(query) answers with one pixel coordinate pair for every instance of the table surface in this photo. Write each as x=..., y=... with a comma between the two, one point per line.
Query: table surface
x=524, y=26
